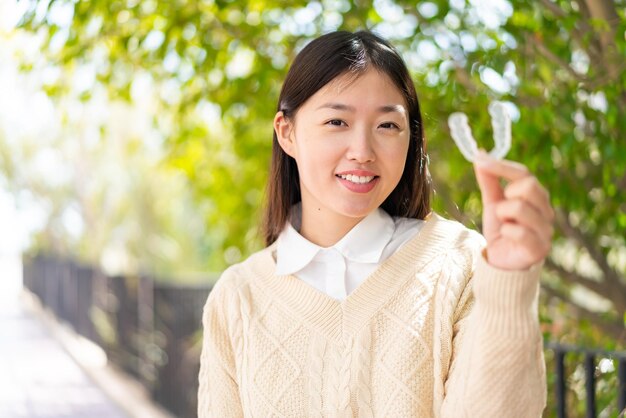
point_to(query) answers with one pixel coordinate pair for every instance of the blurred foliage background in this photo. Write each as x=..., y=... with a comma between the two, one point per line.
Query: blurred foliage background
x=143, y=143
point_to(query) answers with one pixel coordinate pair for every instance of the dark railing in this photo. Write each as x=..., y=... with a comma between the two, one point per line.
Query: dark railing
x=149, y=329
x=153, y=331
x=589, y=362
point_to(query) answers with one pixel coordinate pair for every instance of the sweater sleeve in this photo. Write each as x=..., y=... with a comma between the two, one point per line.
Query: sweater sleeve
x=497, y=367
x=218, y=392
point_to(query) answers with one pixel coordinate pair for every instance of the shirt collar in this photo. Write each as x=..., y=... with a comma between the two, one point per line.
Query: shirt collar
x=293, y=251
x=364, y=243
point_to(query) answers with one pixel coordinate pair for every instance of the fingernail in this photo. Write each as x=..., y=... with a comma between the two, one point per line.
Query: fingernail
x=482, y=157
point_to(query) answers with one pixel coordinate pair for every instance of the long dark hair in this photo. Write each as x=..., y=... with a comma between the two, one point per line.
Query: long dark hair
x=320, y=62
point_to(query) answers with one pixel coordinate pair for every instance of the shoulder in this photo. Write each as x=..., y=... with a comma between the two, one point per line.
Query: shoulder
x=457, y=247
x=456, y=235
x=242, y=274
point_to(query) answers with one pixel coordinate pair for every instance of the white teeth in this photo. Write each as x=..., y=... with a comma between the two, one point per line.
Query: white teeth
x=357, y=179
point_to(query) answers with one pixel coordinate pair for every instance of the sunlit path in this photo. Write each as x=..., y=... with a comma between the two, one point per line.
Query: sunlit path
x=37, y=377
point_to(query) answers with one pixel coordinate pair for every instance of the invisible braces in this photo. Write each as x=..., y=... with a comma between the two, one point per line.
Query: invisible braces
x=462, y=135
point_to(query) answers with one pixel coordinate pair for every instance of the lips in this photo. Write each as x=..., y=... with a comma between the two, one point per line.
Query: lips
x=358, y=181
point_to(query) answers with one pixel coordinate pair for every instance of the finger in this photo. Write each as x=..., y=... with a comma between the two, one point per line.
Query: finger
x=529, y=189
x=509, y=170
x=520, y=212
x=490, y=189
x=535, y=246
x=491, y=224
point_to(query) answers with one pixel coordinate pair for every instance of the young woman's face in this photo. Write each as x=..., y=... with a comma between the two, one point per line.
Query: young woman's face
x=350, y=141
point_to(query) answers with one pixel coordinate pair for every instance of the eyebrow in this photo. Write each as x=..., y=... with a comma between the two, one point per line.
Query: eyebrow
x=382, y=109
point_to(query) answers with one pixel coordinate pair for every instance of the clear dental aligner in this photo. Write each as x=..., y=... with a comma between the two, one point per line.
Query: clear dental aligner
x=501, y=124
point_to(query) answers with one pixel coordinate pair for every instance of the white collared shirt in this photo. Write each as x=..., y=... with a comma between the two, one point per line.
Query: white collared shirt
x=341, y=268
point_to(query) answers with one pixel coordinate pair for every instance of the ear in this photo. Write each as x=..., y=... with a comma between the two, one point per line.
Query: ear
x=284, y=133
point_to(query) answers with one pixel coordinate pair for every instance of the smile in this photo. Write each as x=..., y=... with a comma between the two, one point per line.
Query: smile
x=358, y=184
x=356, y=179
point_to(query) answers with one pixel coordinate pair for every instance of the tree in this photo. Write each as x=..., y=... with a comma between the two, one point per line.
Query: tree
x=91, y=174
x=218, y=67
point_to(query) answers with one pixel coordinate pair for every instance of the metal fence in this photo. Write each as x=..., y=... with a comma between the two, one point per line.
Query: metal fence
x=153, y=331
x=563, y=353
x=149, y=329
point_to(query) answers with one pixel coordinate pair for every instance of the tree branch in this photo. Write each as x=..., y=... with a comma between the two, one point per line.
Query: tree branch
x=596, y=287
x=463, y=77
x=530, y=101
x=556, y=10
x=613, y=328
x=595, y=48
x=621, y=185
x=544, y=51
x=605, y=39
x=611, y=276
x=604, y=10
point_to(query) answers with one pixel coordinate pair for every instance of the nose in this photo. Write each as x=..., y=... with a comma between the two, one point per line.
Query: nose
x=360, y=148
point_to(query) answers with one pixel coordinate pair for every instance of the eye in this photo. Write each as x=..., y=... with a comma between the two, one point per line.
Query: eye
x=389, y=125
x=336, y=122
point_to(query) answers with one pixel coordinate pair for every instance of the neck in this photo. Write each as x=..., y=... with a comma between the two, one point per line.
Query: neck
x=323, y=229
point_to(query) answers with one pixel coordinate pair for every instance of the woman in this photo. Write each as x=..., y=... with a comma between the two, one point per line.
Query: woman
x=365, y=303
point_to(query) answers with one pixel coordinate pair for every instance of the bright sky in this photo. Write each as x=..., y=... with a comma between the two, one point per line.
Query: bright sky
x=30, y=120
x=10, y=235
x=18, y=105
x=10, y=12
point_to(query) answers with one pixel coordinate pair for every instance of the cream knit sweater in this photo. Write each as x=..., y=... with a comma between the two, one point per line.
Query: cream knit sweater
x=434, y=332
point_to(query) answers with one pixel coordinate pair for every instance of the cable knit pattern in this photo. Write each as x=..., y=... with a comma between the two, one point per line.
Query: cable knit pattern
x=339, y=367
x=316, y=361
x=364, y=392
x=435, y=331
